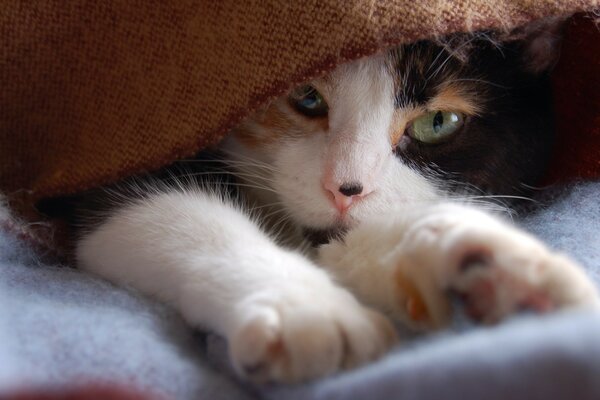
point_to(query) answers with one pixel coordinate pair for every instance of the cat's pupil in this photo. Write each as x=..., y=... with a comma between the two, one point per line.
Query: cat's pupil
x=438, y=121
x=310, y=101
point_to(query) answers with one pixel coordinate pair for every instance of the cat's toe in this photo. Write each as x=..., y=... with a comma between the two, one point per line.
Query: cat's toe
x=501, y=272
x=256, y=348
x=294, y=340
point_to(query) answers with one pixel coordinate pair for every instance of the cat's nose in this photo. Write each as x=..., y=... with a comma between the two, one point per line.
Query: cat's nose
x=344, y=195
x=351, y=189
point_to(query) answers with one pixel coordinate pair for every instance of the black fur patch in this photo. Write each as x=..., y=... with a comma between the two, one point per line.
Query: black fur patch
x=507, y=146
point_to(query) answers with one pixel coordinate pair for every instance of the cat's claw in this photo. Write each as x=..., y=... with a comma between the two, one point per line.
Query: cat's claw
x=293, y=335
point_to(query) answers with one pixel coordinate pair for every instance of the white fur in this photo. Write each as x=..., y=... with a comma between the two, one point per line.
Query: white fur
x=284, y=318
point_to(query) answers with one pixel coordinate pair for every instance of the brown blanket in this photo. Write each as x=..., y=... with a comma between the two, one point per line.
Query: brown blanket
x=91, y=91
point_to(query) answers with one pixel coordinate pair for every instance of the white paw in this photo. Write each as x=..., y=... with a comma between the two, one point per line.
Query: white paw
x=496, y=269
x=298, y=332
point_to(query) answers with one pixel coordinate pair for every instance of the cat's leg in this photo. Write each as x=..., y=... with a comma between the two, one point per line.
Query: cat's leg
x=284, y=319
x=406, y=264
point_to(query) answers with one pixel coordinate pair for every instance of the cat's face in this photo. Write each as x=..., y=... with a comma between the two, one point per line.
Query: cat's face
x=403, y=127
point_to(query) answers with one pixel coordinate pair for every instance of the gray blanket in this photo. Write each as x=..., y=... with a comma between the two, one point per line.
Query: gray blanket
x=60, y=327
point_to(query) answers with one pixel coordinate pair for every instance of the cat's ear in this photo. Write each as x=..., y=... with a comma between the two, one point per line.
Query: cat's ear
x=541, y=41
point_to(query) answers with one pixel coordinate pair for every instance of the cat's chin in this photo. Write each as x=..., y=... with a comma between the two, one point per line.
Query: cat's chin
x=318, y=237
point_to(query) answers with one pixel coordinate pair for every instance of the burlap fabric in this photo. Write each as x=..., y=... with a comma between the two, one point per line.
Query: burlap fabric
x=91, y=91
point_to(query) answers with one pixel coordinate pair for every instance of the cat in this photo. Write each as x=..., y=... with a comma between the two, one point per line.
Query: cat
x=384, y=166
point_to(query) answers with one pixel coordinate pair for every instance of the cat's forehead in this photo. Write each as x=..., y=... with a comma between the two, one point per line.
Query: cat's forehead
x=418, y=76
x=422, y=69
x=357, y=78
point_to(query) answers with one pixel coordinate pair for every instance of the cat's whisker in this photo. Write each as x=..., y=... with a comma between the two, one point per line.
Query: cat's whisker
x=492, y=197
x=248, y=185
x=238, y=158
x=233, y=163
x=278, y=229
x=280, y=226
x=477, y=80
x=274, y=204
x=265, y=221
x=535, y=188
x=252, y=177
x=496, y=196
x=491, y=206
x=452, y=52
x=494, y=43
x=241, y=157
x=178, y=178
x=445, y=45
x=242, y=165
x=275, y=212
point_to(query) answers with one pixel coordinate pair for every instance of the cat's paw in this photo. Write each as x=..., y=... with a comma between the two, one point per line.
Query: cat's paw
x=296, y=333
x=496, y=269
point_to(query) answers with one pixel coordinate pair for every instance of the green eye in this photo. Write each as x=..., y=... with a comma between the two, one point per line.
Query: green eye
x=436, y=126
x=307, y=100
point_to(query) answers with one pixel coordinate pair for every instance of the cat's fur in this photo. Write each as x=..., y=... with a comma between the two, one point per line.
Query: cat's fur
x=410, y=233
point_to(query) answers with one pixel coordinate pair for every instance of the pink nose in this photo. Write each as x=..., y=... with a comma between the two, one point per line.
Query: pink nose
x=344, y=195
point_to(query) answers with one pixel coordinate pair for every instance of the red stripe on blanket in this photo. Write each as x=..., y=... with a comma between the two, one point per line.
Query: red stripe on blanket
x=86, y=392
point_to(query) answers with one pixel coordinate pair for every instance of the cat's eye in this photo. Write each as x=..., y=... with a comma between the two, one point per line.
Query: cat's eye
x=436, y=126
x=307, y=100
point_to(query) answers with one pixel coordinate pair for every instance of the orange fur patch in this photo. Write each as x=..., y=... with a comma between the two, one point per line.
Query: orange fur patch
x=415, y=305
x=247, y=135
x=454, y=98
x=264, y=127
x=276, y=121
x=402, y=117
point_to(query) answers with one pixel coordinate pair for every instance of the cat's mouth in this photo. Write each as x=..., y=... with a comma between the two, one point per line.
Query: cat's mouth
x=318, y=237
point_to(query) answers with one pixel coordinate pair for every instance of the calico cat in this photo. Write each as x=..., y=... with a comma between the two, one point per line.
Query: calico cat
x=385, y=165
